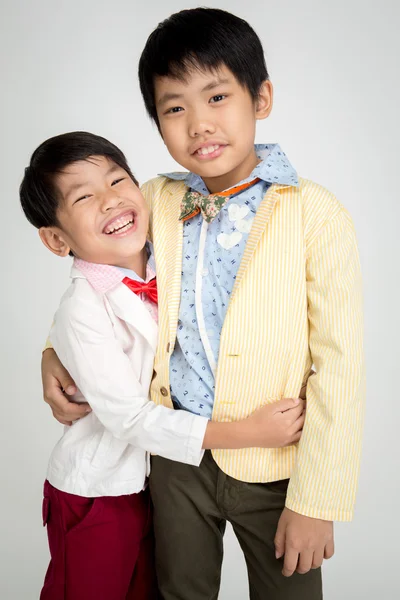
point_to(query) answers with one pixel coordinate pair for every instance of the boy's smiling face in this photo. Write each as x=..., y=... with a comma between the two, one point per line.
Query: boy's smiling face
x=208, y=123
x=102, y=215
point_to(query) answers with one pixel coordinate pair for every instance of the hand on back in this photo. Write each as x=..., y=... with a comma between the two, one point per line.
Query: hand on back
x=57, y=385
x=279, y=424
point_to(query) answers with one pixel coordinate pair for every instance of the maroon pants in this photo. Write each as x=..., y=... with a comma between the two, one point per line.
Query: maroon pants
x=101, y=548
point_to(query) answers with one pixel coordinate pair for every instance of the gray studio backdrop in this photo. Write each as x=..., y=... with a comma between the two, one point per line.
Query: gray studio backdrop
x=72, y=65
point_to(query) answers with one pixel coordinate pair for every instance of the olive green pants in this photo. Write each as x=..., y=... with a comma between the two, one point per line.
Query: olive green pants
x=191, y=507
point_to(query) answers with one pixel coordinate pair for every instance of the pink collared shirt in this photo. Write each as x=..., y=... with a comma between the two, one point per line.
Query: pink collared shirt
x=104, y=277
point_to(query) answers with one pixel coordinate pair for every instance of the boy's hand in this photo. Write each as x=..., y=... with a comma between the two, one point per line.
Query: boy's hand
x=56, y=383
x=277, y=425
x=303, y=391
x=303, y=541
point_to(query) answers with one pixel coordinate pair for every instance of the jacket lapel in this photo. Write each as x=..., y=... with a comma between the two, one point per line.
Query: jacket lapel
x=172, y=250
x=260, y=223
x=128, y=306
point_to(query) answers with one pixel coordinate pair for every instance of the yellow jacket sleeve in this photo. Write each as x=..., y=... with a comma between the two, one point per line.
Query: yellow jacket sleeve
x=323, y=482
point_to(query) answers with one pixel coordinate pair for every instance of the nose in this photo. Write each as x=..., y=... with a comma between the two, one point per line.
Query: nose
x=110, y=200
x=200, y=124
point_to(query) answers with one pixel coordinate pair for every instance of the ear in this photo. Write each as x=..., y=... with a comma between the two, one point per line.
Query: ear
x=53, y=239
x=264, y=100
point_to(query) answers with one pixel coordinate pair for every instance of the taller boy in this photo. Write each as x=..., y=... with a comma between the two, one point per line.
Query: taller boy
x=256, y=287
x=257, y=282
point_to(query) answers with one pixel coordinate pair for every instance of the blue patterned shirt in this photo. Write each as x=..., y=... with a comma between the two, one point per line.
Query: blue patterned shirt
x=211, y=257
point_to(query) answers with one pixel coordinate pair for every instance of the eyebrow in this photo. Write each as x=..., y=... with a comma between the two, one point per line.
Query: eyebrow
x=76, y=186
x=168, y=96
x=215, y=83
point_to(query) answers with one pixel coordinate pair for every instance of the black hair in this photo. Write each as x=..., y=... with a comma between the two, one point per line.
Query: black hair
x=205, y=39
x=38, y=192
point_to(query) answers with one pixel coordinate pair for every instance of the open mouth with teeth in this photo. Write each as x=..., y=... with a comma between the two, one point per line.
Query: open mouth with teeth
x=208, y=150
x=121, y=224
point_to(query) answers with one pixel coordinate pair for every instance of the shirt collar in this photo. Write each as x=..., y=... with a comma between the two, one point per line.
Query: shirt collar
x=273, y=168
x=105, y=277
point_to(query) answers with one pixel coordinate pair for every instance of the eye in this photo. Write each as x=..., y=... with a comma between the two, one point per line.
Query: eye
x=118, y=180
x=173, y=110
x=217, y=98
x=82, y=198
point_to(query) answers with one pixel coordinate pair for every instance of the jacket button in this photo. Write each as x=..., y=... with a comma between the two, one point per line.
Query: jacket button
x=164, y=391
x=168, y=346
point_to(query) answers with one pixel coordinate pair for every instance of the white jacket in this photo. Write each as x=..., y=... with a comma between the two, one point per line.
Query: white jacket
x=106, y=338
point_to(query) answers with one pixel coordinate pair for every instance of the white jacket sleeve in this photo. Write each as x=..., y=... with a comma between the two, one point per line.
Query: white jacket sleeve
x=83, y=338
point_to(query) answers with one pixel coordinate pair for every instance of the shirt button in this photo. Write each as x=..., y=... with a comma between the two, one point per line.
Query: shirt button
x=164, y=391
x=204, y=272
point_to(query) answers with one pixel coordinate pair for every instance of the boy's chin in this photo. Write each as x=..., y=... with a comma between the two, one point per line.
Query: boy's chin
x=210, y=171
x=218, y=167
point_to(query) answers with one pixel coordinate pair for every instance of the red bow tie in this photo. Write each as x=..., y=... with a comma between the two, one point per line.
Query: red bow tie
x=139, y=287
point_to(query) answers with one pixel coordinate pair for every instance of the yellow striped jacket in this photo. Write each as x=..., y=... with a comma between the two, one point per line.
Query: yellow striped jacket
x=296, y=302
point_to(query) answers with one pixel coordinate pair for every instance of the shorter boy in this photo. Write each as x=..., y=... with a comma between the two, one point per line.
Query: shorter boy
x=80, y=193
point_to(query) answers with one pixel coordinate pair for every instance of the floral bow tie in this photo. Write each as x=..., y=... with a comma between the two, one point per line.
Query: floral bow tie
x=209, y=206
